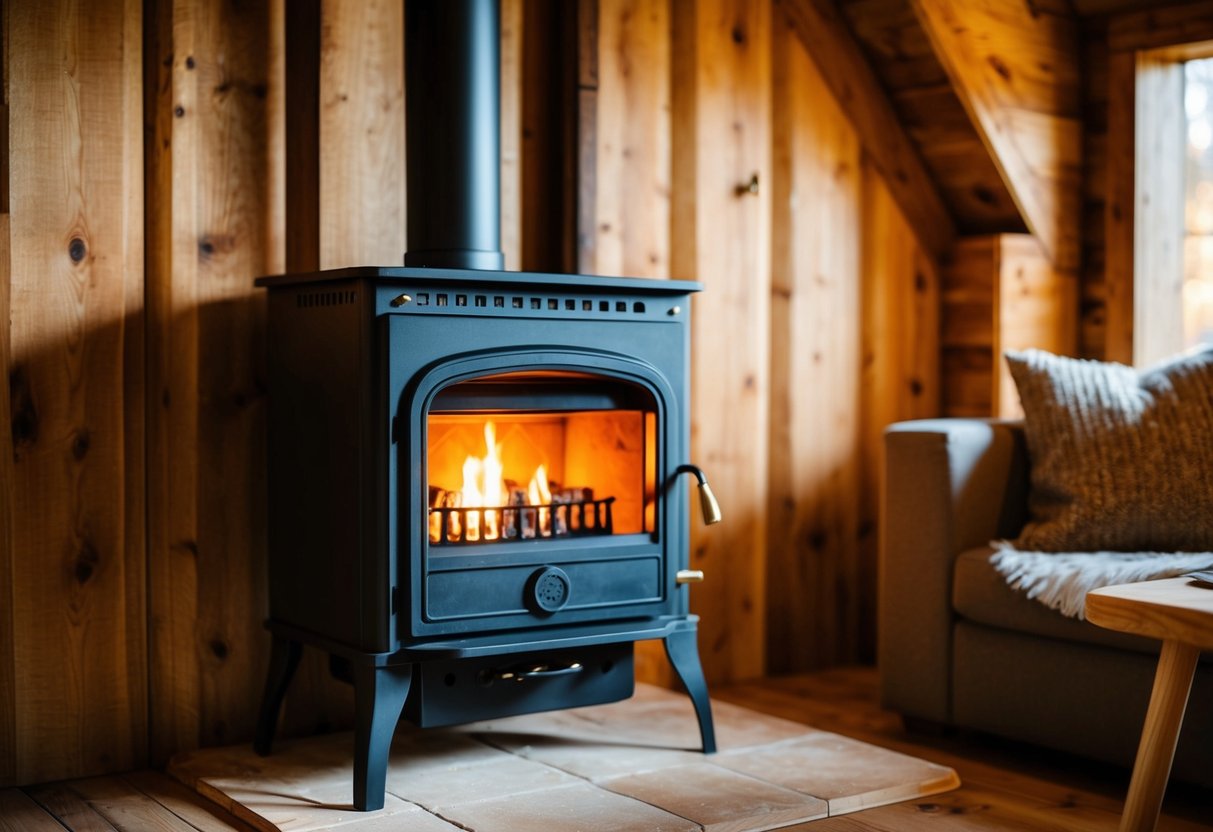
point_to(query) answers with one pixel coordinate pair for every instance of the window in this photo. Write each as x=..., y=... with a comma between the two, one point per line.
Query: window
x=1197, y=296
x=1172, y=272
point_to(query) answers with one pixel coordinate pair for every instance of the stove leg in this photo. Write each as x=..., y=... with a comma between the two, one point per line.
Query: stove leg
x=284, y=658
x=379, y=694
x=683, y=651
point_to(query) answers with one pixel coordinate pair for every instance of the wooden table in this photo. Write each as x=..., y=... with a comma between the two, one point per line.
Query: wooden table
x=1180, y=613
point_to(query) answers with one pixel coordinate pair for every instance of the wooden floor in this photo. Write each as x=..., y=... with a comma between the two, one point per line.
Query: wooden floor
x=1006, y=786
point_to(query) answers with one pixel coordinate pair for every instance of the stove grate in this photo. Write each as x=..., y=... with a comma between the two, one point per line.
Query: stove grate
x=460, y=525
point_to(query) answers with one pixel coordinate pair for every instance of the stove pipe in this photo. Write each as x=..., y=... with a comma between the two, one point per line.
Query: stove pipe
x=453, y=133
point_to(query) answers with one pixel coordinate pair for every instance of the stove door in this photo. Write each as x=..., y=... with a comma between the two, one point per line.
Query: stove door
x=529, y=492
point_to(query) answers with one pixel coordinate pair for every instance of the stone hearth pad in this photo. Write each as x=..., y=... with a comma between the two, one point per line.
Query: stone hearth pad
x=630, y=765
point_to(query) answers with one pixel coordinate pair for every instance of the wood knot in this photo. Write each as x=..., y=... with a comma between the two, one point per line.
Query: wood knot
x=219, y=648
x=211, y=244
x=1000, y=67
x=77, y=250
x=984, y=195
x=80, y=444
x=87, y=561
x=189, y=62
x=179, y=111
x=738, y=34
x=24, y=423
x=915, y=387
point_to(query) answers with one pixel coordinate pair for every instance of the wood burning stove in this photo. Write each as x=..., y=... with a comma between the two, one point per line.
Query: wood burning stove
x=391, y=388
x=476, y=503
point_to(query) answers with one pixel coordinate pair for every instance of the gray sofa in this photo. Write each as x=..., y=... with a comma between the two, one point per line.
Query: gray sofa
x=957, y=646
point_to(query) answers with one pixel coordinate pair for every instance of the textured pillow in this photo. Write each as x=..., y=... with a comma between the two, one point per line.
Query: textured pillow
x=1120, y=461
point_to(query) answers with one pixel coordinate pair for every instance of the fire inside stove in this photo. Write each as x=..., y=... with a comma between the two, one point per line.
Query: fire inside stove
x=514, y=477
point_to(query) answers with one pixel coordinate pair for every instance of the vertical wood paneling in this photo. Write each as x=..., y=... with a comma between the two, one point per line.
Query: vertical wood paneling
x=8, y=676
x=585, y=143
x=1118, y=209
x=812, y=573
x=550, y=136
x=75, y=548
x=1097, y=145
x=301, y=150
x=362, y=176
x=512, y=12
x=211, y=236
x=632, y=204
x=723, y=61
x=900, y=376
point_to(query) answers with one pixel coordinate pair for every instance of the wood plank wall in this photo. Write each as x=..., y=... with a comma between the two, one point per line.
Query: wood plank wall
x=818, y=327
x=74, y=680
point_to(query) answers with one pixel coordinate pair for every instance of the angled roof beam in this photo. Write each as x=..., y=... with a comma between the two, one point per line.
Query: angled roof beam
x=1016, y=71
x=819, y=26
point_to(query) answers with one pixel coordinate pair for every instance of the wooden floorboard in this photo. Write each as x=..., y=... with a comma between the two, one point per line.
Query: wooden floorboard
x=1007, y=787
x=18, y=813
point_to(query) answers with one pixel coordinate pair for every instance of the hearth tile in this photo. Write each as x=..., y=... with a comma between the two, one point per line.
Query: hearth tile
x=719, y=799
x=848, y=774
x=580, y=806
x=436, y=787
x=654, y=718
x=591, y=760
x=436, y=750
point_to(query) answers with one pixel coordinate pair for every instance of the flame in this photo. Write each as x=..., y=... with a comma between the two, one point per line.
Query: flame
x=540, y=494
x=484, y=488
x=538, y=490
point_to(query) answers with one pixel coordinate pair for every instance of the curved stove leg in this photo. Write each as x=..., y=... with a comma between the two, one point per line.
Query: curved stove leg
x=379, y=694
x=683, y=651
x=284, y=659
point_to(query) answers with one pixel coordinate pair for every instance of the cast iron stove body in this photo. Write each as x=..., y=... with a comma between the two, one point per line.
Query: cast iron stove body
x=382, y=381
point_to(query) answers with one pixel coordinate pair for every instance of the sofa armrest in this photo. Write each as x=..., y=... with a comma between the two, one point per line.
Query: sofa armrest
x=949, y=485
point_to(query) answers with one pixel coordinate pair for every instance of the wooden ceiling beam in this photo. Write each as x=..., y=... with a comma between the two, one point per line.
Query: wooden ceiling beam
x=826, y=37
x=1016, y=72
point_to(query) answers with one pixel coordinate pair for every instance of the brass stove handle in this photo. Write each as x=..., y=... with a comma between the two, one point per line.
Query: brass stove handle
x=707, y=500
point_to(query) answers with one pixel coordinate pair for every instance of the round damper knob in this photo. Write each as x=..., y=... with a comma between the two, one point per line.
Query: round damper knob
x=550, y=588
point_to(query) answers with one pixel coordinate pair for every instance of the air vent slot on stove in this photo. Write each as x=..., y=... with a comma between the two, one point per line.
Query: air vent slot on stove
x=311, y=300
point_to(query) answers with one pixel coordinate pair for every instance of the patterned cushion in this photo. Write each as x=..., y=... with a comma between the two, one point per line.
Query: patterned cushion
x=1120, y=460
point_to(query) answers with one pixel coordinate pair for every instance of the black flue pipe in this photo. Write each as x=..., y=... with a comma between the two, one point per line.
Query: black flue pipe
x=453, y=133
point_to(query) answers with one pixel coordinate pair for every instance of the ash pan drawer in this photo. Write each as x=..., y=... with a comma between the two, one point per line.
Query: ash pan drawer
x=469, y=690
